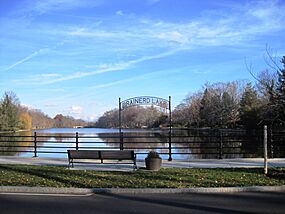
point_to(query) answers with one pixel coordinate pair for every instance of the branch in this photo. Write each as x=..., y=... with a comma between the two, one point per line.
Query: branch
x=275, y=66
x=249, y=69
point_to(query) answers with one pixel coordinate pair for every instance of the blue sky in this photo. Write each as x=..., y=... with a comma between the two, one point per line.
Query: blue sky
x=77, y=57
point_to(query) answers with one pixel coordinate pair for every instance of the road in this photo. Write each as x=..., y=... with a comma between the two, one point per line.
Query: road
x=269, y=202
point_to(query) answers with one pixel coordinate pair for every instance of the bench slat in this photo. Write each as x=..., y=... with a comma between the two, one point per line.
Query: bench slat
x=117, y=155
x=83, y=154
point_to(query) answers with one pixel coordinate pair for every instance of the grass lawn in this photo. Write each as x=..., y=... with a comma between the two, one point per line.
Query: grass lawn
x=55, y=176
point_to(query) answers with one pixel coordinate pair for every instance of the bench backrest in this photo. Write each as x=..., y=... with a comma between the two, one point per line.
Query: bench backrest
x=118, y=155
x=83, y=154
x=107, y=155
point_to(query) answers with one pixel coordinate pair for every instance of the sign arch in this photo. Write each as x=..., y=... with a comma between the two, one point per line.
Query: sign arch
x=145, y=100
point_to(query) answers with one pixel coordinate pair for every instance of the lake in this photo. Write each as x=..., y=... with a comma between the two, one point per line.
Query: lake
x=140, y=140
x=186, y=144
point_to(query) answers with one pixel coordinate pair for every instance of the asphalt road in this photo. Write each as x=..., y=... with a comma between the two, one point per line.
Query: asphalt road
x=266, y=202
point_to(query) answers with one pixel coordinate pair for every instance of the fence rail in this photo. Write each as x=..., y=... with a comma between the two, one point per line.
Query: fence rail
x=179, y=144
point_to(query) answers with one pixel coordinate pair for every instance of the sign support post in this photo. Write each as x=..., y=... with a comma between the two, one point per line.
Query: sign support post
x=120, y=126
x=170, y=131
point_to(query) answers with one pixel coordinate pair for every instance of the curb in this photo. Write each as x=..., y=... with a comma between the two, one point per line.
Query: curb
x=191, y=190
x=45, y=190
x=86, y=191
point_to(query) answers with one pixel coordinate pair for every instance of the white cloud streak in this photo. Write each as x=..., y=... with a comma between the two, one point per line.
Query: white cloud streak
x=41, y=7
x=34, y=54
x=235, y=29
x=110, y=68
x=27, y=58
x=246, y=22
x=135, y=78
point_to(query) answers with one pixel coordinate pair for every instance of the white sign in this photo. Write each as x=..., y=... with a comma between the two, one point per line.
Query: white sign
x=145, y=101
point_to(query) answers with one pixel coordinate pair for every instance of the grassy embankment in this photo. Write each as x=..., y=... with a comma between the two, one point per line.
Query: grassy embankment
x=51, y=176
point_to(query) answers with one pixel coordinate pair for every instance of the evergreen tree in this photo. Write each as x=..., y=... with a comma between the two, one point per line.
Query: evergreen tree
x=9, y=114
x=228, y=111
x=205, y=108
x=249, y=108
x=281, y=92
x=210, y=110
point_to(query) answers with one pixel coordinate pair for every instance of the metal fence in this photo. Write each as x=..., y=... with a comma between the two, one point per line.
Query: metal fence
x=180, y=144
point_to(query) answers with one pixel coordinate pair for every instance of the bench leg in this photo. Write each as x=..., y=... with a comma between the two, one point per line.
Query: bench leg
x=70, y=162
x=135, y=161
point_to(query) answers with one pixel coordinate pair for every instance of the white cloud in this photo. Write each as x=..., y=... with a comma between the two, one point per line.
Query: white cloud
x=133, y=34
x=266, y=10
x=50, y=75
x=27, y=58
x=92, y=117
x=233, y=28
x=197, y=71
x=77, y=75
x=135, y=78
x=152, y=1
x=114, y=67
x=50, y=105
x=76, y=110
x=40, y=78
x=84, y=32
x=173, y=36
x=27, y=105
x=119, y=13
x=161, y=39
x=40, y=6
x=33, y=55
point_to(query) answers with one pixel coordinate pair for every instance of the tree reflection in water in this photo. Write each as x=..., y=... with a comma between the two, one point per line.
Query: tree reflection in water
x=186, y=143
x=13, y=144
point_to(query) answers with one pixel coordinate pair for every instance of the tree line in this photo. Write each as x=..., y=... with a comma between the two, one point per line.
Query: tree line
x=14, y=116
x=133, y=117
x=219, y=105
x=237, y=104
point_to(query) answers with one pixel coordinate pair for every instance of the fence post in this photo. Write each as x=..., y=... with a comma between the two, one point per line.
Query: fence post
x=120, y=125
x=76, y=140
x=121, y=141
x=170, y=131
x=35, y=144
x=265, y=149
x=221, y=145
x=169, y=145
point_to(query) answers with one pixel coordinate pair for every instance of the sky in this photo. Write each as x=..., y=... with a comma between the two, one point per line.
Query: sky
x=77, y=57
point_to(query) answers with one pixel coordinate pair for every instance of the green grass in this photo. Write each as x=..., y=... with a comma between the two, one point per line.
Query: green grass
x=55, y=176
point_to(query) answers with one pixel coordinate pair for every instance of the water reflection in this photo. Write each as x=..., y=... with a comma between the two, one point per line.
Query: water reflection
x=13, y=144
x=141, y=142
x=220, y=143
x=186, y=143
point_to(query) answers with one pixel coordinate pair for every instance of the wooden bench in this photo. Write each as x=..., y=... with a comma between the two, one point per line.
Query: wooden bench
x=102, y=155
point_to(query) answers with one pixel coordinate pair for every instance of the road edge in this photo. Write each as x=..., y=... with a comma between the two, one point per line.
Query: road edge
x=88, y=191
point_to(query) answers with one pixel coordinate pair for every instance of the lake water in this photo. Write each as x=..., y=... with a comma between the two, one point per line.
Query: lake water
x=204, y=143
x=140, y=140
